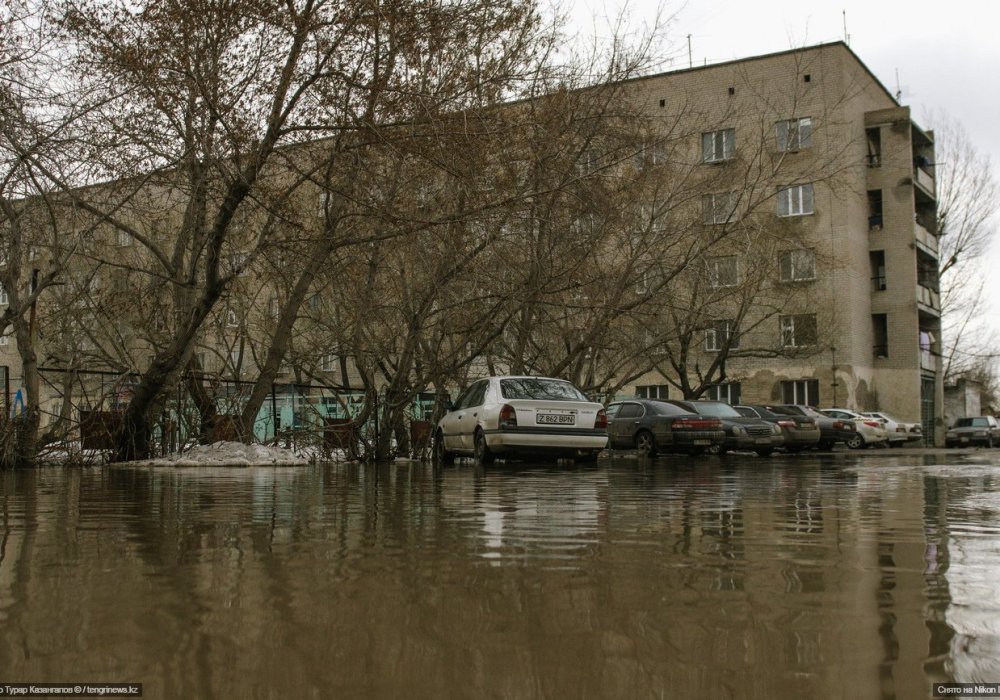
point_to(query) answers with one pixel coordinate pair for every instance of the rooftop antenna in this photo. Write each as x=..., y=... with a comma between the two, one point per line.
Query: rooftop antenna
x=899, y=90
x=847, y=37
x=690, y=59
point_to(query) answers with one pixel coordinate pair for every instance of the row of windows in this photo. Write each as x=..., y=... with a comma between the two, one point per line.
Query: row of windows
x=796, y=200
x=790, y=135
x=794, y=266
x=795, y=391
x=797, y=331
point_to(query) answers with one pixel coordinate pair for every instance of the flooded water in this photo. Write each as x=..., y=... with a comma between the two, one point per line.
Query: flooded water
x=740, y=577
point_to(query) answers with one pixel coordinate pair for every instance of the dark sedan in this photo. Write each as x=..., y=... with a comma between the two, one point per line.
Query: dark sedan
x=831, y=430
x=657, y=426
x=742, y=433
x=975, y=430
x=800, y=431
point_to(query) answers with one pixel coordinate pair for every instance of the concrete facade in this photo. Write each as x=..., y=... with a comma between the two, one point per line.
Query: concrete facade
x=872, y=227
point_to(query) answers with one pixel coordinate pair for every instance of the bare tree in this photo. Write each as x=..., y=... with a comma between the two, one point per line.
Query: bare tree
x=968, y=205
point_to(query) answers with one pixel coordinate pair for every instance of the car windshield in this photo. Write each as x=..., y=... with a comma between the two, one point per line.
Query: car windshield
x=972, y=423
x=716, y=410
x=540, y=388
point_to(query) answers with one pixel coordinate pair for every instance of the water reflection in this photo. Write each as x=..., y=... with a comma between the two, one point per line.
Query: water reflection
x=736, y=577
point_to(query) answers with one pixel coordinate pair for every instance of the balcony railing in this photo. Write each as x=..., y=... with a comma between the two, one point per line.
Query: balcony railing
x=925, y=180
x=928, y=297
x=926, y=239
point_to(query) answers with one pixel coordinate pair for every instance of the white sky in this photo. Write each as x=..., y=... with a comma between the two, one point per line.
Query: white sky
x=946, y=55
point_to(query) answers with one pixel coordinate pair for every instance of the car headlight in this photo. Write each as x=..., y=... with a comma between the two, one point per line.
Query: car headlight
x=951, y=433
x=737, y=430
x=775, y=429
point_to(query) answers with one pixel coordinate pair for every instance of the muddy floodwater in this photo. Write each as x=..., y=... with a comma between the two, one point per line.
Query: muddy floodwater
x=848, y=575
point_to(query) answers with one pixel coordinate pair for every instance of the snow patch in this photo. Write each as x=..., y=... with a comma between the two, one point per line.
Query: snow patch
x=228, y=454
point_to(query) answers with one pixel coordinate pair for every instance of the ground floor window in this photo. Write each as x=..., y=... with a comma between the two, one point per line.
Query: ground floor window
x=728, y=392
x=800, y=391
x=653, y=391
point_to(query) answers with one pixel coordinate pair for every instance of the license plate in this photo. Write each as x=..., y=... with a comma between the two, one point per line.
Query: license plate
x=555, y=419
x=762, y=441
x=703, y=442
x=964, y=439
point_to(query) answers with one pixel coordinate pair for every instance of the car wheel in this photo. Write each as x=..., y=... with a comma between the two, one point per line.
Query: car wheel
x=441, y=455
x=765, y=451
x=483, y=453
x=645, y=443
x=855, y=442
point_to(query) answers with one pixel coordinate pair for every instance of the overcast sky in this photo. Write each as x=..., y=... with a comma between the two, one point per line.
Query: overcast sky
x=946, y=54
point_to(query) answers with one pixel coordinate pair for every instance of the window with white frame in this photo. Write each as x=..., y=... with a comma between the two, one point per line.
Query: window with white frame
x=274, y=307
x=794, y=134
x=238, y=262
x=729, y=392
x=723, y=271
x=717, y=146
x=4, y=297
x=232, y=319
x=721, y=334
x=797, y=265
x=235, y=359
x=800, y=391
x=330, y=362
x=798, y=330
x=796, y=200
x=4, y=340
x=718, y=208
x=123, y=239
x=653, y=391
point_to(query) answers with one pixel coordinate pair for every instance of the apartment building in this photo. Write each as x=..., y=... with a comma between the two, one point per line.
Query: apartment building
x=825, y=179
x=867, y=252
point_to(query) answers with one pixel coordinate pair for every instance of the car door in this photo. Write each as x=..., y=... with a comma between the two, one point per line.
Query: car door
x=449, y=424
x=468, y=414
x=627, y=420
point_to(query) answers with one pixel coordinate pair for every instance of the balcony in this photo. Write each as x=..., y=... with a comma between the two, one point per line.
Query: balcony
x=927, y=361
x=925, y=181
x=926, y=240
x=929, y=300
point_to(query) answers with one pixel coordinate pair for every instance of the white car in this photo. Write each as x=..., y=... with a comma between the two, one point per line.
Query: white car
x=899, y=431
x=870, y=431
x=521, y=415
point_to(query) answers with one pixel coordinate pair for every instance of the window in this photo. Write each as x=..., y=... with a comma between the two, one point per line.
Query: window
x=794, y=134
x=797, y=265
x=798, y=331
x=876, y=259
x=235, y=359
x=719, y=208
x=880, y=335
x=631, y=410
x=723, y=271
x=728, y=392
x=4, y=297
x=653, y=391
x=274, y=306
x=650, y=154
x=721, y=334
x=232, y=320
x=237, y=263
x=330, y=362
x=874, y=138
x=800, y=391
x=4, y=340
x=717, y=146
x=122, y=239
x=875, y=210
x=795, y=201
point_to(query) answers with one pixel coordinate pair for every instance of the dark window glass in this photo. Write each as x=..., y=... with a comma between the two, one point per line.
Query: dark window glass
x=540, y=389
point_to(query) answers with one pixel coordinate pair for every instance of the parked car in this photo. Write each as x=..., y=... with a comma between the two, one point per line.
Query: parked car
x=870, y=432
x=975, y=430
x=742, y=433
x=657, y=426
x=521, y=415
x=800, y=431
x=899, y=431
x=831, y=430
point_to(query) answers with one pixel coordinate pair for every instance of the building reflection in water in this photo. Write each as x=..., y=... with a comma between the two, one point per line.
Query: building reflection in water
x=733, y=577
